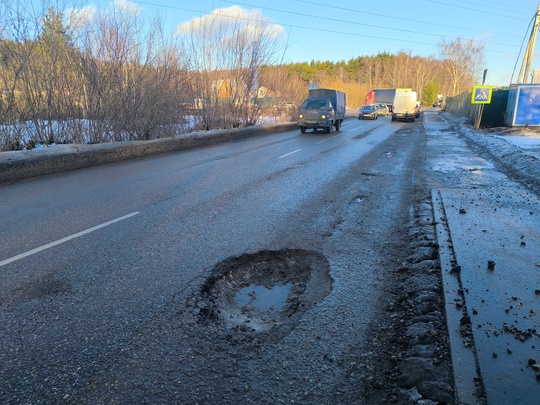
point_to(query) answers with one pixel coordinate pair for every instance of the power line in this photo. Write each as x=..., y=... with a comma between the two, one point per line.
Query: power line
x=511, y=10
x=437, y=24
x=318, y=29
x=490, y=3
x=357, y=23
x=474, y=9
x=282, y=24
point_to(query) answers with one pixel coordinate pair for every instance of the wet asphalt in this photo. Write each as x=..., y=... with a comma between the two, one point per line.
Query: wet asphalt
x=114, y=316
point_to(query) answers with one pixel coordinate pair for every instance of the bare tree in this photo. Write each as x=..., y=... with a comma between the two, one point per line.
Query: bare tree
x=279, y=87
x=48, y=79
x=18, y=24
x=404, y=70
x=128, y=76
x=226, y=50
x=423, y=74
x=462, y=61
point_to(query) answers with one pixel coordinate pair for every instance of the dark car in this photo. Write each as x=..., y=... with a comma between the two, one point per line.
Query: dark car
x=368, y=111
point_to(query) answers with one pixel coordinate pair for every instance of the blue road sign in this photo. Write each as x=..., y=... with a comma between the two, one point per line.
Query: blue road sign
x=481, y=94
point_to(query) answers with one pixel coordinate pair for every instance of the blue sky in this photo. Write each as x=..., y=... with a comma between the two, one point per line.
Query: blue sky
x=335, y=31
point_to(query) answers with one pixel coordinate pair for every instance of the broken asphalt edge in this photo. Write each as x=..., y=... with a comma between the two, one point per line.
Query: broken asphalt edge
x=465, y=368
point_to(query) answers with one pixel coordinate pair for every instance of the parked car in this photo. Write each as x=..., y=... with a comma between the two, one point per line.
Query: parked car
x=368, y=111
x=382, y=109
x=438, y=103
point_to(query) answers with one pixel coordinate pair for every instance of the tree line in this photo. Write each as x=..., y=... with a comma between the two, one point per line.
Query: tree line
x=83, y=78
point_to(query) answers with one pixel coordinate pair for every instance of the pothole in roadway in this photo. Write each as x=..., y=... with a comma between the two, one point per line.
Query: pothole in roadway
x=263, y=295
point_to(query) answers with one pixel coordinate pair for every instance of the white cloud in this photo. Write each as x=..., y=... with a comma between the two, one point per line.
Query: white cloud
x=79, y=17
x=127, y=5
x=249, y=20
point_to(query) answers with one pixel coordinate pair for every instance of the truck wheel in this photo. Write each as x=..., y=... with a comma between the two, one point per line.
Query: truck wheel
x=328, y=129
x=338, y=125
x=303, y=130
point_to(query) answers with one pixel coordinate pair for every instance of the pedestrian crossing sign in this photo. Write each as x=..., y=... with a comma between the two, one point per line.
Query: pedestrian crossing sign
x=481, y=94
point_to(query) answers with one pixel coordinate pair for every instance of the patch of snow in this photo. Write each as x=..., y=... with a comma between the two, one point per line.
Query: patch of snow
x=516, y=149
x=523, y=142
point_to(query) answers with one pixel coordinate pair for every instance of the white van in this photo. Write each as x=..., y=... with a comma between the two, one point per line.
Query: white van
x=405, y=106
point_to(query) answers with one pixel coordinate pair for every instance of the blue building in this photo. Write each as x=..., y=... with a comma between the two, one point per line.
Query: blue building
x=523, y=108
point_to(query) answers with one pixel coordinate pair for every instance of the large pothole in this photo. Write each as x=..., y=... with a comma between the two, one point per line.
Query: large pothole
x=265, y=293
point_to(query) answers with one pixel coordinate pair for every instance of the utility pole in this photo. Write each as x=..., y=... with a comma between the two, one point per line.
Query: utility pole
x=527, y=59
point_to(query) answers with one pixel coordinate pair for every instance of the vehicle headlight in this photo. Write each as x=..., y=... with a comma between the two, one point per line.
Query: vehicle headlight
x=301, y=116
x=323, y=117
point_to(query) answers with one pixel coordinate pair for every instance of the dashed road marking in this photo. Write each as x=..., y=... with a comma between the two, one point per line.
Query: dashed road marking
x=290, y=153
x=66, y=239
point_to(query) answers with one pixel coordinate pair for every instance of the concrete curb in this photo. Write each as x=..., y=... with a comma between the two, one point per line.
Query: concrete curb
x=465, y=367
x=25, y=164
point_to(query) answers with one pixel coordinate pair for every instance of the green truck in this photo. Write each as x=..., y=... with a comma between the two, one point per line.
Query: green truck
x=323, y=108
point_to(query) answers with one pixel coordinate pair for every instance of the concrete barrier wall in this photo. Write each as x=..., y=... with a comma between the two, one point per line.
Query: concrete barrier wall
x=24, y=164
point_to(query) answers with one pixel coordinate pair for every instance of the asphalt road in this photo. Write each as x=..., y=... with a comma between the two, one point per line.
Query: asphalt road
x=101, y=268
x=284, y=268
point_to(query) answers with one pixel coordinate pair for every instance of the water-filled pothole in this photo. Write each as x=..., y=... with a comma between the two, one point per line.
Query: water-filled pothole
x=264, y=292
x=262, y=298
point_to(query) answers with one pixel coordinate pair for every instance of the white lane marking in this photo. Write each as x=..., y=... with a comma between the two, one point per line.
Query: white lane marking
x=355, y=128
x=327, y=139
x=290, y=153
x=67, y=238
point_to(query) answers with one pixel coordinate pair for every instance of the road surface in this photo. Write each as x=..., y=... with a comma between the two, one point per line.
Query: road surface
x=284, y=268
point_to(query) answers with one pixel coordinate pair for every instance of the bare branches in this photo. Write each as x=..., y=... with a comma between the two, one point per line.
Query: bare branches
x=85, y=77
x=226, y=51
x=462, y=61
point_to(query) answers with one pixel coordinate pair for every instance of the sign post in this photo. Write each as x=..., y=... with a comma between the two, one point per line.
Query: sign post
x=481, y=95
